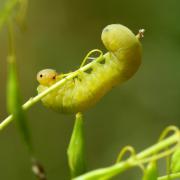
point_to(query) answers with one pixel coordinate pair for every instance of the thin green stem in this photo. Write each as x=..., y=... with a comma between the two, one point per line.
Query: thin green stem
x=158, y=156
x=11, y=39
x=164, y=134
x=37, y=98
x=90, y=53
x=7, y=11
x=170, y=176
x=115, y=169
x=125, y=150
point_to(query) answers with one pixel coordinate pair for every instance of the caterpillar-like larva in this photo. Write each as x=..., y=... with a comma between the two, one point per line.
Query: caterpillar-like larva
x=116, y=66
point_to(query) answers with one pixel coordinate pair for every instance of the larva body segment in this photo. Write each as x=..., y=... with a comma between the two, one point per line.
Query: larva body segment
x=120, y=64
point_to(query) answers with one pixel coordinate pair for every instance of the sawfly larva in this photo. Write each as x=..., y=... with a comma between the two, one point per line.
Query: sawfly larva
x=116, y=66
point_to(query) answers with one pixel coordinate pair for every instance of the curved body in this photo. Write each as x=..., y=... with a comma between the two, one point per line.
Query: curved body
x=117, y=66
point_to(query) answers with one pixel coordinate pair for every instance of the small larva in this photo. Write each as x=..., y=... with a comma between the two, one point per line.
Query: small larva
x=118, y=65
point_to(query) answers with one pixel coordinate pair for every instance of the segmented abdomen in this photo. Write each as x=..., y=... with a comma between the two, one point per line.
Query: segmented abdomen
x=88, y=88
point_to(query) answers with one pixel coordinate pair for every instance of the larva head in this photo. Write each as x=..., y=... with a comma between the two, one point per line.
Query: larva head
x=46, y=77
x=116, y=36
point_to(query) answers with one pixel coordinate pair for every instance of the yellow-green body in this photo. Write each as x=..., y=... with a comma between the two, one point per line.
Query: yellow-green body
x=119, y=64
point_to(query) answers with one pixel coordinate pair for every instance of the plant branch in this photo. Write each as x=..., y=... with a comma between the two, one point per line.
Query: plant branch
x=111, y=171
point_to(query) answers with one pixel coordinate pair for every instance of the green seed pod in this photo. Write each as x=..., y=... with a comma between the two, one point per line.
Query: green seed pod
x=175, y=161
x=76, y=155
x=120, y=64
x=151, y=172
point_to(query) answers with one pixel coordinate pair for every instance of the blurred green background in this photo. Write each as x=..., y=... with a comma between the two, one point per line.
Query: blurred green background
x=59, y=34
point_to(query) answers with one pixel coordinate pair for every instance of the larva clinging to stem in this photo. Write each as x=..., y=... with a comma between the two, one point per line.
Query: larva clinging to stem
x=116, y=66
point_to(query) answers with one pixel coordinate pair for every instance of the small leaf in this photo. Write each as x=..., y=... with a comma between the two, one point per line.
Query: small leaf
x=14, y=101
x=151, y=172
x=175, y=161
x=76, y=157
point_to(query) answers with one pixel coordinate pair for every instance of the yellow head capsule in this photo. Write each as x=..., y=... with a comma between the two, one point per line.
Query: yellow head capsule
x=47, y=77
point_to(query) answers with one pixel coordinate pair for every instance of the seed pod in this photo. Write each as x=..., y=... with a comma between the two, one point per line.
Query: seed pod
x=76, y=152
x=175, y=161
x=151, y=172
x=118, y=65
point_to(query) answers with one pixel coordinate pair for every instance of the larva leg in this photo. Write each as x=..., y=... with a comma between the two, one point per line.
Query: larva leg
x=87, y=57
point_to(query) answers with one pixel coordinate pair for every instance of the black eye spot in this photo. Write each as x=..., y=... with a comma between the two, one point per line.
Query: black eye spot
x=54, y=77
x=41, y=75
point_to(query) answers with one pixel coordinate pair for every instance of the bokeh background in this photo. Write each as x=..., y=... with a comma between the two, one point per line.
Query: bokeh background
x=59, y=34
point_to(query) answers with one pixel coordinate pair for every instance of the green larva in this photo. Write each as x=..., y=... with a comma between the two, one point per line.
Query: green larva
x=118, y=65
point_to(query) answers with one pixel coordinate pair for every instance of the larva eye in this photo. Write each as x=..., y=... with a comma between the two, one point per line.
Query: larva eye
x=46, y=77
x=116, y=36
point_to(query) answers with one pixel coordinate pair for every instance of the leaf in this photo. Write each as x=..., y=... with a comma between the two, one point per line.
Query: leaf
x=14, y=102
x=76, y=157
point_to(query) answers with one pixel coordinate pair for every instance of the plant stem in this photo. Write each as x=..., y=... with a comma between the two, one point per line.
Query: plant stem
x=170, y=176
x=7, y=11
x=37, y=98
x=111, y=171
